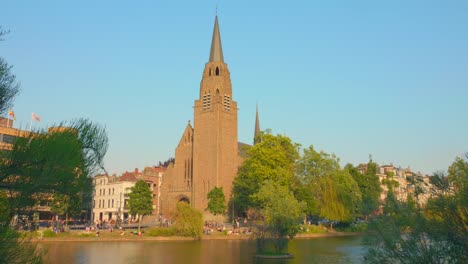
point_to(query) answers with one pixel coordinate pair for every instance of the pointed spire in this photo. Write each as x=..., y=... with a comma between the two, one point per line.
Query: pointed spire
x=216, y=52
x=257, y=129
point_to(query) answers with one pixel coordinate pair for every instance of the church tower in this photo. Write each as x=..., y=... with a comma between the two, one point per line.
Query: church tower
x=215, y=147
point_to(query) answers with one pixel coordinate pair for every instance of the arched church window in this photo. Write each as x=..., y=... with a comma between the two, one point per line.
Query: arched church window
x=209, y=73
x=217, y=71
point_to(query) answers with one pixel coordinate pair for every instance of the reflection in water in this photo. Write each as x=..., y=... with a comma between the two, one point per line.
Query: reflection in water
x=317, y=250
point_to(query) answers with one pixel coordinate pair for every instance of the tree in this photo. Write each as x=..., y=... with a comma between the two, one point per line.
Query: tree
x=140, y=200
x=438, y=234
x=216, y=201
x=328, y=190
x=369, y=187
x=272, y=159
x=188, y=221
x=15, y=248
x=9, y=88
x=282, y=217
x=67, y=205
x=56, y=162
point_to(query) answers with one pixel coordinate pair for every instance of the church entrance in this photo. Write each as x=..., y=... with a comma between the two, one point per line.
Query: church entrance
x=184, y=199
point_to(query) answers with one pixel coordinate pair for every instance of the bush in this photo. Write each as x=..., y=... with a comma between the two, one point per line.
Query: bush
x=49, y=233
x=357, y=227
x=313, y=229
x=17, y=249
x=188, y=221
x=161, y=231
x=87, y=234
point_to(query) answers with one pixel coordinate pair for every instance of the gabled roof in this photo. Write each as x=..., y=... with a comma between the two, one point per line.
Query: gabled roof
x=128, y=176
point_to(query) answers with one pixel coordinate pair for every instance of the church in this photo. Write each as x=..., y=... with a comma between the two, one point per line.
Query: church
x=208, y=154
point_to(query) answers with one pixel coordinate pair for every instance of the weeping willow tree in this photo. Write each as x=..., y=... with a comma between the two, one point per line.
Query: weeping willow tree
x=57, y=162
x=48, y=164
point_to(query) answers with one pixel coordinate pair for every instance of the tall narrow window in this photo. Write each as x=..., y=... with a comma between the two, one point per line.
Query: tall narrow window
x=217, y=71
x=227, y=102
x=206, y=101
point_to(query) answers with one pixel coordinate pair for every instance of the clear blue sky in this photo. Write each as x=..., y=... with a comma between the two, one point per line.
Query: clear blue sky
x=387, y=78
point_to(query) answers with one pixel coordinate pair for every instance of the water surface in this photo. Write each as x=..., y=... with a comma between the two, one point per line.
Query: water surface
x=315, y=250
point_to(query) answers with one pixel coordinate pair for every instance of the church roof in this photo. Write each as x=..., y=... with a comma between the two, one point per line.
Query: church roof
x=216, y=52
x=242, y=149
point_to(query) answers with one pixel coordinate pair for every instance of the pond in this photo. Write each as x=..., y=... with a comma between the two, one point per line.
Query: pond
x=315, y=250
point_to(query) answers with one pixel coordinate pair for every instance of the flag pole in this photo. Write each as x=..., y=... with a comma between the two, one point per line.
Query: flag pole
x=30, y=123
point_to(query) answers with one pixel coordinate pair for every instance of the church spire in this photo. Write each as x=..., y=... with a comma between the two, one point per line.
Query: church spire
x=216, y=52
x=257, y=129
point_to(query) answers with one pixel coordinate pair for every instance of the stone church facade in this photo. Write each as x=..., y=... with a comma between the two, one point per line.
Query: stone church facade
x=208, y=154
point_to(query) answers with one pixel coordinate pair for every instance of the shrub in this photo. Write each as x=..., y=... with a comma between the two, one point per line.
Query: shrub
x=188, y=221
x=49, y=233
x=161, y=231
x=87, y=234
x=313, y=229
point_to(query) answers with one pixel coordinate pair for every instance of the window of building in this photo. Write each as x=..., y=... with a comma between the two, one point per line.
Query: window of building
x=99, y=203
x=227, y=102
x=112, y=203
x=217, y=71
x=100, y=192
x=206, y=101
x=9, y=139
x=108, y=204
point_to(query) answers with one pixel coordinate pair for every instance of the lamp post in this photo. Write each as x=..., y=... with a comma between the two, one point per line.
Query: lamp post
x=119, y=219
x=232, y=199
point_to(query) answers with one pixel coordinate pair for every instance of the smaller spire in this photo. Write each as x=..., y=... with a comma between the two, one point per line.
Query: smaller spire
x=257, y=138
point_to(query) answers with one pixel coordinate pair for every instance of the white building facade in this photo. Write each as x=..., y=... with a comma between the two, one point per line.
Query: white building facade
x=110, y=199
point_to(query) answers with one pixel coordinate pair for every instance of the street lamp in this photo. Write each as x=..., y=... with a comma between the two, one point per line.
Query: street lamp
x=232, y=204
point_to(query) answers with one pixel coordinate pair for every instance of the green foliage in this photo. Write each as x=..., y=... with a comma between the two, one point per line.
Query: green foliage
x=216, y=201
x=439, y=234
x=58, y=162
x=390, y=182
x=63, y=204
x=369, y=187
x=353, y=227
x=313, y=229
x=87, y=235
x=9, y=87
x=161, y=231
x=49, y=233
x=282, y=217
x=283, y=213
x=140, y=200
x=15, y=249
x=4, y=209
x=328, y=190
x=188, y=221
x=271, y=159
